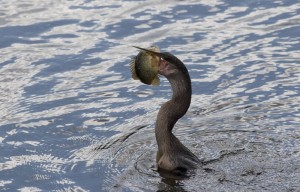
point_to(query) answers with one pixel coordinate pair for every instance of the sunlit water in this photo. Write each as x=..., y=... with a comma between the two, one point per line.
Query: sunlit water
x=71, y=117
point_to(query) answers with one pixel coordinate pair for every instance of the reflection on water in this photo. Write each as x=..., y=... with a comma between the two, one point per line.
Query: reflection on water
x=73, y=119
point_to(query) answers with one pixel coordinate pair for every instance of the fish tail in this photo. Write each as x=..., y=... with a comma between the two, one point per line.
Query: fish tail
x=132, y=68
x=155, y=81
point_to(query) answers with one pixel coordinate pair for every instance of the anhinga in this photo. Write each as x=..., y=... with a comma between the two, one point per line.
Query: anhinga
x=172, y=155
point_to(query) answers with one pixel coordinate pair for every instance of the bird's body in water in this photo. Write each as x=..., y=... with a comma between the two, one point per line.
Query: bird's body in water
x=172, y=155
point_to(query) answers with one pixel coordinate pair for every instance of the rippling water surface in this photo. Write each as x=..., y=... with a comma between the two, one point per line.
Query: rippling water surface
x=71, y=117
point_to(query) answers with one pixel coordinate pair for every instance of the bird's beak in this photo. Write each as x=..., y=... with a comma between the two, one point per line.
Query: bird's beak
x=164, y=68
x=151, y=52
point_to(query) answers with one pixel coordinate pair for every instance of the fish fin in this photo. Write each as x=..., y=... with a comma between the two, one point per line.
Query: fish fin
x=132, y=68
x=154, y=48
x=155, y=81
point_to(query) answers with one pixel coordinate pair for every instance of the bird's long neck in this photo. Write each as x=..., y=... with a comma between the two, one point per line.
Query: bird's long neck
x=173, y=109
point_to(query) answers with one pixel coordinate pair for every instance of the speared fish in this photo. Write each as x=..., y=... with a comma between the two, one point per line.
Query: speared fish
x=144, y=66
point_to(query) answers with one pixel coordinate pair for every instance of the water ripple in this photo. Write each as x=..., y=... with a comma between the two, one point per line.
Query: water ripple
x=72, y=118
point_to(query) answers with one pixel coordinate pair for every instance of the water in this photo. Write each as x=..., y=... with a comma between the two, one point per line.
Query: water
x=72, y=119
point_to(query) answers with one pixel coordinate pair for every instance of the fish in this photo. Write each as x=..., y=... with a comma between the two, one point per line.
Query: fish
x=144, y=67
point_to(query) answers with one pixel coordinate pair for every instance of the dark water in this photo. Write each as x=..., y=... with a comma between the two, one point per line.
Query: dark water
x=72, y=119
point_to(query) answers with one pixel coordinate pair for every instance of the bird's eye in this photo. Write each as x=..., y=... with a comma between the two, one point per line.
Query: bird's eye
x=165, y=62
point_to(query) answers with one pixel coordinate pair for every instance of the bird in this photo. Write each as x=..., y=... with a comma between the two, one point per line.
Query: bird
x=172, y=156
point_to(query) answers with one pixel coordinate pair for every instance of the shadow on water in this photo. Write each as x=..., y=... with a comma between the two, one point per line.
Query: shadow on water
x=233, y=160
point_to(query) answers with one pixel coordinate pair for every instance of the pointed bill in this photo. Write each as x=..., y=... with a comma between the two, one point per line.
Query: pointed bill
x=150, y=51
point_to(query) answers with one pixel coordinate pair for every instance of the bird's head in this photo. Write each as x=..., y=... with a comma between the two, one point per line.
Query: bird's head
x=169, y=65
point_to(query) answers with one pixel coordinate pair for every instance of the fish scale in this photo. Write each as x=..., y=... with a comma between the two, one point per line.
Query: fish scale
x=144, y=67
